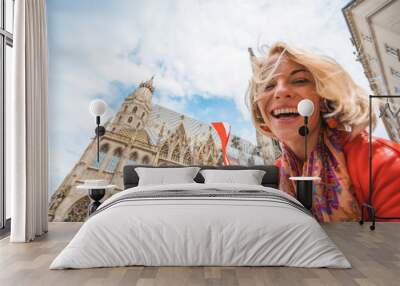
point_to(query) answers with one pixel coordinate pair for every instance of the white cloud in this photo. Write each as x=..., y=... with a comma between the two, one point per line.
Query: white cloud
x=201, y=44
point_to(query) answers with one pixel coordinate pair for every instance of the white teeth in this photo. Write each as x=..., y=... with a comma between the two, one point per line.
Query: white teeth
x=284, y=110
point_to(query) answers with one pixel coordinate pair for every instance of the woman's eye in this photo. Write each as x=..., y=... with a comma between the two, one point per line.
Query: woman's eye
x=269, y=87
x=301, y=80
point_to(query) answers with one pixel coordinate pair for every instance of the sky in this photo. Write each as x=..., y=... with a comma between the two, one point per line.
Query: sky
x=197, y=51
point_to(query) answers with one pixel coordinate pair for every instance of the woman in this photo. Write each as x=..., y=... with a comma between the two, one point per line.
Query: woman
x=337, y=143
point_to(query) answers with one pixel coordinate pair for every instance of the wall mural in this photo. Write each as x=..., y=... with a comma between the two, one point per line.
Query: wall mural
x=148, y=134
x=167, y=70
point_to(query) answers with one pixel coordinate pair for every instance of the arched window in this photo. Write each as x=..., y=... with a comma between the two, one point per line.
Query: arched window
x=187, y=159
x=164, y=151
x=112, y=164
x=133, y=159
x=130, y=119
x=176, y=154
x=102, y=154
x=146, y=160
x=134, y=109
x=138, y=125
x=125, y=108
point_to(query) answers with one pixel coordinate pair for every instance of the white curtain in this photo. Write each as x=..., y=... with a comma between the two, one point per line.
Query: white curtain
x=26, y=129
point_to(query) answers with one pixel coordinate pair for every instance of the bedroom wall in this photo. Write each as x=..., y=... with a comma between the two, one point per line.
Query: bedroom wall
x=197, y=53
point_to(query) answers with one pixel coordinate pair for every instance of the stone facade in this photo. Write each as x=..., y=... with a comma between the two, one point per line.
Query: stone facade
x=375, y=34
x=146, y=133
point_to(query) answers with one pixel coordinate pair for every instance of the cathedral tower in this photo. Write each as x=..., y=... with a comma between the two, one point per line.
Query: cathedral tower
x=118, y=147
x=134, y=112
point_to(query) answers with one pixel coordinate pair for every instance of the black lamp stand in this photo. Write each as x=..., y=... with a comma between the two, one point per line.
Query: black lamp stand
x=304, y=187
x=99, y=131
x=303, y=131
x=97, y=194
x=368, y=206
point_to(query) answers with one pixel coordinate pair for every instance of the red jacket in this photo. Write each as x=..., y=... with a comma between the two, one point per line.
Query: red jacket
x=385, y=173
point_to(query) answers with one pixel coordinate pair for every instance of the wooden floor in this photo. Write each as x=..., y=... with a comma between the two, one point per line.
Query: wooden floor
x=375, y=257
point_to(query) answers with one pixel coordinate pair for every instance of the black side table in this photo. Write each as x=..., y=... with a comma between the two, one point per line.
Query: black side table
x=95, y=193
x=304, y=187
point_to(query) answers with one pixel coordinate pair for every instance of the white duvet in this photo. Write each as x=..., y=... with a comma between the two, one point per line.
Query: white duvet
x=200, y=231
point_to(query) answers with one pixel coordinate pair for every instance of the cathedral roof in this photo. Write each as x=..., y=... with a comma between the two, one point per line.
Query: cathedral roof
x=195, y=130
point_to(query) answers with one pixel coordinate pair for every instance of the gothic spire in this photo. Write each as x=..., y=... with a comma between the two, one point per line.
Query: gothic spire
x=148, y=84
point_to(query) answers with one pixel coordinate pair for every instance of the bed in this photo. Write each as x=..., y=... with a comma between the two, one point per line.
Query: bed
x=201, y=224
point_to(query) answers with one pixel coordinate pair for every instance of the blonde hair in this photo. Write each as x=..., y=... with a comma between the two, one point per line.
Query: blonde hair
x=347, y=102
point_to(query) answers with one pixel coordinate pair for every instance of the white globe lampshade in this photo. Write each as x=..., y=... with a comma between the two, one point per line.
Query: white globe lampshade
x=97, y=107
x=305, y=107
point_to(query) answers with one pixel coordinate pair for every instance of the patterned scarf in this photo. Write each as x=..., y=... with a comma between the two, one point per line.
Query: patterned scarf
x=333, y=195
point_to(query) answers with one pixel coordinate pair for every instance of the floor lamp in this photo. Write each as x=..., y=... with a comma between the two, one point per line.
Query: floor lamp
x=369, y=206
x=97, y=108
x=304, y=185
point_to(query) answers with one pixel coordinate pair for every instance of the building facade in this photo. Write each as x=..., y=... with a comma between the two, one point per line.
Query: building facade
x=145, y=133
x=375, y=30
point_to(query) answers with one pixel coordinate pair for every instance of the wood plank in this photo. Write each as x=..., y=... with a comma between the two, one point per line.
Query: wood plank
x=375, y=258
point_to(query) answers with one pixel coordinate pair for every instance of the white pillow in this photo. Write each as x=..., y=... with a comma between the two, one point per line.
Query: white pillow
x=248, y=177
x=165, y=176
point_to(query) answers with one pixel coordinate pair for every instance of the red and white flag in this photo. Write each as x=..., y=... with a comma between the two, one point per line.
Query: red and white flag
x=224, y=131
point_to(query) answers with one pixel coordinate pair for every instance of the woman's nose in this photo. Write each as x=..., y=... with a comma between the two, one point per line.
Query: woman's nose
x=282, y=90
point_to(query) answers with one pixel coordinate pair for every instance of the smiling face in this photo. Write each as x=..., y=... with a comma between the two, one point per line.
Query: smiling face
x=277, y=100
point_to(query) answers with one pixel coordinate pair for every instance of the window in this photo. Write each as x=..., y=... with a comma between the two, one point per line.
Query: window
x=134, y=109
x=164, y=151
x=102, y=155
x=130, y=119
x=133, y=159
x=395, y=73
x=187, y=159
x=392, y=51
x=397, y=90
x=366, y=38
x=176, y=154
x=146, y=160
x=112, y=165
x=6, y=44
